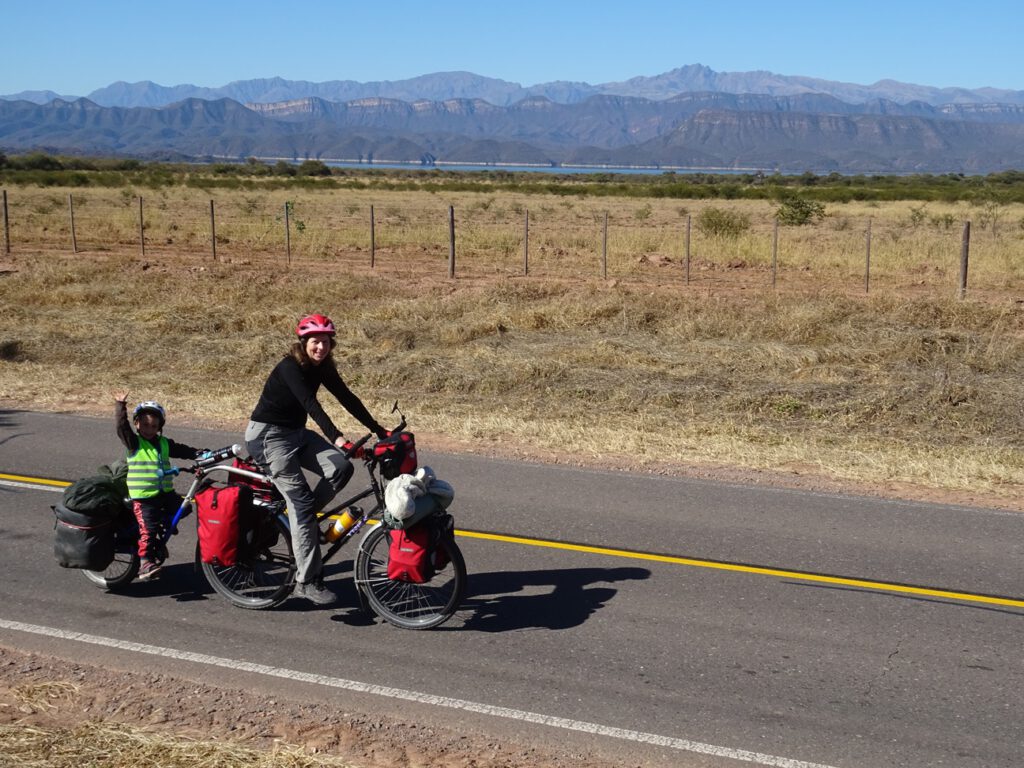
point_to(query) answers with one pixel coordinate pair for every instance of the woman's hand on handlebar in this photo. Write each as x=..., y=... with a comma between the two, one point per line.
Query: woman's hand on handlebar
x=350, y=449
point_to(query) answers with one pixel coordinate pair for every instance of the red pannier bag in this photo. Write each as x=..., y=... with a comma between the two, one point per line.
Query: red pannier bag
x=409, y=554
x=219, y=513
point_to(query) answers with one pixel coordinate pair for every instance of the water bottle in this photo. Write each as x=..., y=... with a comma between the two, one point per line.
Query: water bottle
x=342, y=524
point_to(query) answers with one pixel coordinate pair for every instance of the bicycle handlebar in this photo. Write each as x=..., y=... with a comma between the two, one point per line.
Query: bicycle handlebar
x=212, y=457
x=356, y=449
x=205, y=460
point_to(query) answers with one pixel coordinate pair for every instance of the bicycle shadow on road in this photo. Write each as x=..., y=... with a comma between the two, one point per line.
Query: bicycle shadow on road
x=178, y=580
x=496, y=603
x=8, y=421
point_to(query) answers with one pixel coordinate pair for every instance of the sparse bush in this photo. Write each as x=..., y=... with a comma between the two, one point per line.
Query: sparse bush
x=284, y=168
x=917, y=215
x=718, y=222
x=313, y=168
x=798, y=211
x=249, y=205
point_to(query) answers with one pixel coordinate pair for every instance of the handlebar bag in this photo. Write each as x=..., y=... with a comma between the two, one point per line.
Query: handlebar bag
x=82, y=541
x=396, y=454
x=220, y=513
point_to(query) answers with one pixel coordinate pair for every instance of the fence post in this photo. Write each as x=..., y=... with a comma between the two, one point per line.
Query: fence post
x=7, y=227
x=526, y=242
x=142, y=229
x=965, y=250
x=604, y=248
x=775, y=251
x=71, y=213
x=373, y=239
x=451, y=241
x=687, y=257
x=287, y=234
x=213, y=232
x=867, y=259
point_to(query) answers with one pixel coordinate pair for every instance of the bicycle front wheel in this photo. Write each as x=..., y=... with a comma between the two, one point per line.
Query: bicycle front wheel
x=261, y=578
x=404, y=604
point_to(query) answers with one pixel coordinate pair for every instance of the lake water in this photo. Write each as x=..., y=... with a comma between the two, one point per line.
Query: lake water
x=561, y=169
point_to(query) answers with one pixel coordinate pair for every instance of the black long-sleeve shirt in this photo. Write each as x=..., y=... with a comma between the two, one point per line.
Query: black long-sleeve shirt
x=289, y=396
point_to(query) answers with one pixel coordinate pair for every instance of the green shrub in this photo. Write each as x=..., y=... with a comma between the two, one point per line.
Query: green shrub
x=284, y=168
x=718, y=222
x=313, y=168
x=797, y=211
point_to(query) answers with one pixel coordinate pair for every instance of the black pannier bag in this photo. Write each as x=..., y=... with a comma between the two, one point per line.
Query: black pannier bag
x=87, y=520
x=83, y=540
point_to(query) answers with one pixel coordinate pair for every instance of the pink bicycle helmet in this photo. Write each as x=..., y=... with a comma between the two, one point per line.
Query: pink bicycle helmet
x=313, y=324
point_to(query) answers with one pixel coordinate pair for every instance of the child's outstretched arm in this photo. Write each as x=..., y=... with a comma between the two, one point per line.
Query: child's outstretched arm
x=182, y=451
x=124, y=429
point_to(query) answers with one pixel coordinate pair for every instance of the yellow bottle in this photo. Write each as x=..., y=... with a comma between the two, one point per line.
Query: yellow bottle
x=341, y=525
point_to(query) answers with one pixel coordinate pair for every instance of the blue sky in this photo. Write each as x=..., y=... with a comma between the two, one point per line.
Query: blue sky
x=74, y=48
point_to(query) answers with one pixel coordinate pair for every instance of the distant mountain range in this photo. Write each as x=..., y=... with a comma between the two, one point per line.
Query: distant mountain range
x=691, y=117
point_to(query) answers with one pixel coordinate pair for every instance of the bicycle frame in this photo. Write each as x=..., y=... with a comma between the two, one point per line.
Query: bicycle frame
x=375, y=489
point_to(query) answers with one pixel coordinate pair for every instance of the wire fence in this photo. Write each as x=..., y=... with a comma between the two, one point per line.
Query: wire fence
x=853, y=249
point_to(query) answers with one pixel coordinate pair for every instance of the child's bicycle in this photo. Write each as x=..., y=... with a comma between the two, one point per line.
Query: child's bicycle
x=263, y=575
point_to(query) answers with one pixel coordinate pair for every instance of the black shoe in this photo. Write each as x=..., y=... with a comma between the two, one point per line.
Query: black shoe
x=149, y=570
x=315, y=592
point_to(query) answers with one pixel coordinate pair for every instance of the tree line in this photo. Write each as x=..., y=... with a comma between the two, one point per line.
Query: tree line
x=46, y=169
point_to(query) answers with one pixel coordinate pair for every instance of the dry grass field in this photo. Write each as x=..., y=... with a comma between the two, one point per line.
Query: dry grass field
x=794, y=369
x=788, y=374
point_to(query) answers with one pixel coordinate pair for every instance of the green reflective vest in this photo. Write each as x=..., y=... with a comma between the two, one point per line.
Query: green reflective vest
x=144, y=476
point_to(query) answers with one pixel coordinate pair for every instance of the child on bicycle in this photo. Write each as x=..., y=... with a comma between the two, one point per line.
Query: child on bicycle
x=152, y=493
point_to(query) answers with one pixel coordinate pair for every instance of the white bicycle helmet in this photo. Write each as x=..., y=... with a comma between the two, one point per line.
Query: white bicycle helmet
x=151, y=406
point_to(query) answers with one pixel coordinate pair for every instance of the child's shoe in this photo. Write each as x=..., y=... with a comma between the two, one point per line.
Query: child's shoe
x=149, y=570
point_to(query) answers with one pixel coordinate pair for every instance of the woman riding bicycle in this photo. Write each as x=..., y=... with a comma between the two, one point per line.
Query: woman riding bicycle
x=277, y=437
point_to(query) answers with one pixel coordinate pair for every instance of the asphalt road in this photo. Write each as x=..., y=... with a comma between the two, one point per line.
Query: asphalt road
x=779, y=630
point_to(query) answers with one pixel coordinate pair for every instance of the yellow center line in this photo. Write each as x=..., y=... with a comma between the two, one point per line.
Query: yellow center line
x=881, y=586
x=35, y=480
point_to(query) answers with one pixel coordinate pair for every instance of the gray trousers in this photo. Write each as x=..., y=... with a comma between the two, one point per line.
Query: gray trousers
x=287, y=452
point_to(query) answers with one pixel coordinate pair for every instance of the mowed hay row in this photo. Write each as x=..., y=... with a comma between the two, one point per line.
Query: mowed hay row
x=875, y=388
x=914, y=247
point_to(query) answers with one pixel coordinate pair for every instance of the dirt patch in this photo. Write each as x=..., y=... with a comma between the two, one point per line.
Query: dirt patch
x=44, y=692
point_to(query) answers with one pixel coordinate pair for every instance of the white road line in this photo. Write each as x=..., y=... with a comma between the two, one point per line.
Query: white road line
x=31, y=486
x=683, y=745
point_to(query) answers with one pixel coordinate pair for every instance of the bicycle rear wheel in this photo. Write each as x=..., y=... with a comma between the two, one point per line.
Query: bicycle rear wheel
x=125, y=566
x=262, y=578
x=119, y=574
x=407, y=605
